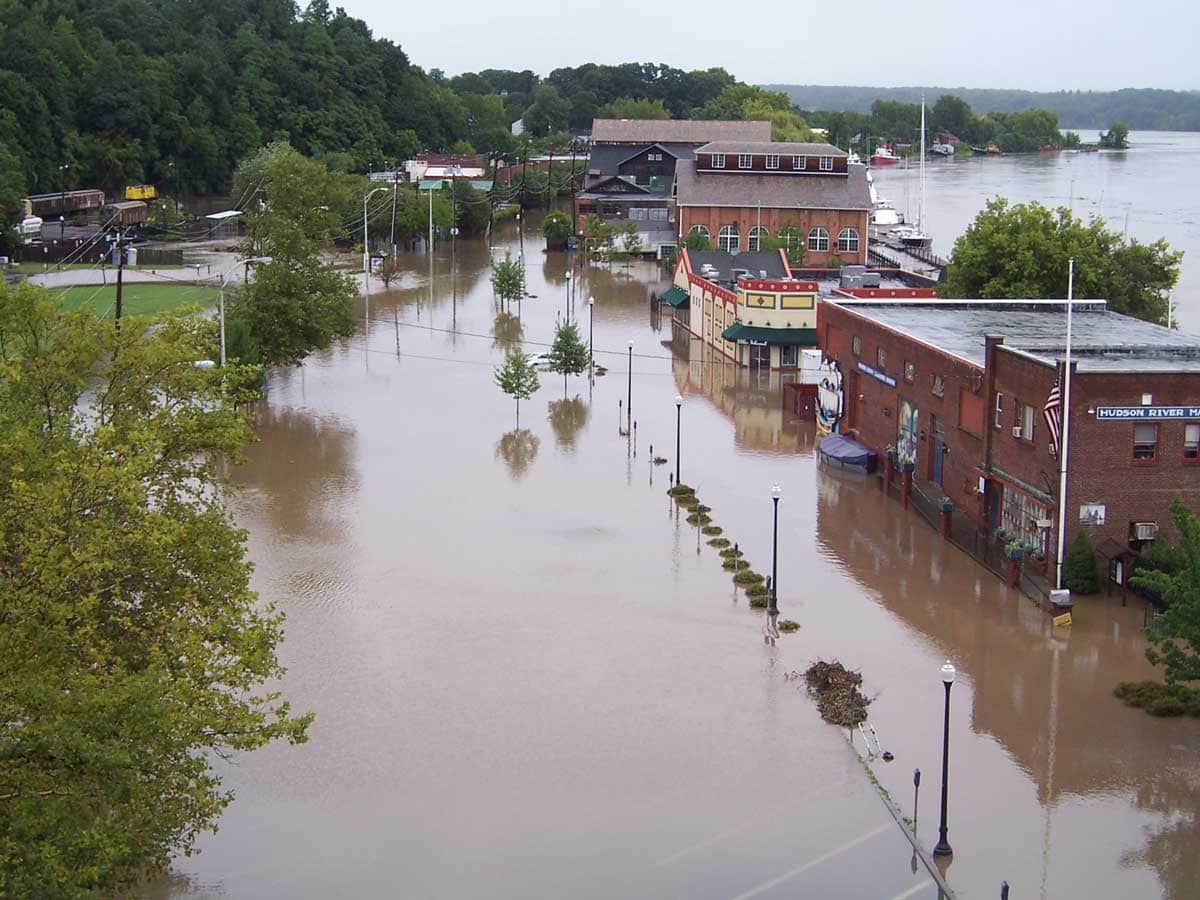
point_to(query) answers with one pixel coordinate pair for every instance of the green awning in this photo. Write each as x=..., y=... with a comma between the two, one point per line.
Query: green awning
x=676, y=296
x=481, y=185
x=802, y=337
x=429, y=185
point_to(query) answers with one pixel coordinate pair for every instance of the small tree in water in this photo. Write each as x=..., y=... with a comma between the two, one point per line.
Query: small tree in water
x=1175, y=636
x=508, y=279
x=568, y=353
x=517, y=378
x=1079, y=566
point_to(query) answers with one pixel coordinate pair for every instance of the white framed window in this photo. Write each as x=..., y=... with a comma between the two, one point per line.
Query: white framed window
x=1191, y=441
x=772, y=161
x=826, y=163
x=799, y=163
x=744, y=160
x=754, y=240
x=847, y=241
x=789, y=356
x=818, y=239
x=718, y=160
x=999, y=417
x=1145, y=442
x=1028, y=418
x=654, y=157
x=728, y=238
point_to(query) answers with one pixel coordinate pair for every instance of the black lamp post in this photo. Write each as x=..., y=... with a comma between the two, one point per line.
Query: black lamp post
x=943, y=847
x=567, y=300
x=773, y=610
x=629, y=394
x=678, y=420
x=591, y=332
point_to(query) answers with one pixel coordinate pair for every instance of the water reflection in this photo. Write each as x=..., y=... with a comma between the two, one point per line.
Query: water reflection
x=304, y=465
x=1044, y=694
x=518, y=449
x=507, y=331
x=567, y=419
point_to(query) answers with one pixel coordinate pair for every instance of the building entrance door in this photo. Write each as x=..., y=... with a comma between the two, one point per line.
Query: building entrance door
x=760, y=357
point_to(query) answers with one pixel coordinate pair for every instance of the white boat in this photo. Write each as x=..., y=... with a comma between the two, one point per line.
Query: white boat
x=942, y=149
x=884, y=215
x=884, y=155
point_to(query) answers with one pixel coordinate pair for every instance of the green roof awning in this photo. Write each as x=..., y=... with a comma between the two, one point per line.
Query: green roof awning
x=429, y=185
x=676, y=296
x=803, y=337
x=481, y=185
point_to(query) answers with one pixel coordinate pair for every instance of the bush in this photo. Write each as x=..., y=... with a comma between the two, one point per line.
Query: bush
x=757, y=590
x=1079, y=566
x=730, y=553
x=1160, y=699
x=701, y=508
x=711, y=529
x=719, y=542
x=787, y=626
x=681, y=490
x=747, y=576
x=758, y=601
x=698, y=519
x=556, y=227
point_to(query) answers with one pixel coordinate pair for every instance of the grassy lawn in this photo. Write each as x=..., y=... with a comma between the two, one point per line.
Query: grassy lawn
x=136, y=299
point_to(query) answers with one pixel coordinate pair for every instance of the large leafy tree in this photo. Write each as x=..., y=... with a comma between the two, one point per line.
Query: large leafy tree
x=133, y=654
x=295, y=303
x=1022, y=251
x=1175, y=636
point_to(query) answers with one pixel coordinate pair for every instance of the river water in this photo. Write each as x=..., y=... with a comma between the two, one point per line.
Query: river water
x=1144, y=192
x=533, y=679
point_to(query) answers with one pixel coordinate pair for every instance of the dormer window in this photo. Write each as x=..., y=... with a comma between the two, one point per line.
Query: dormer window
x=744, y=160
x=718, y=160
x=799, y=163
x=654, y=157
x=772, y=162
x=826, y=163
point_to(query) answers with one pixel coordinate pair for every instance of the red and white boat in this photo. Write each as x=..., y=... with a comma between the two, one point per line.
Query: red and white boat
x=884, y=155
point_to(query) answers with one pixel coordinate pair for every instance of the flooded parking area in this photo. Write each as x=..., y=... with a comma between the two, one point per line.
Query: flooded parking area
x=532, y=677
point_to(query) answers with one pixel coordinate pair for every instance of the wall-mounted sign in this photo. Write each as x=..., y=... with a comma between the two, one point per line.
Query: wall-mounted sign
x=1091, y=514
x=1127, y=413
x=876, y=374
x=830, y=397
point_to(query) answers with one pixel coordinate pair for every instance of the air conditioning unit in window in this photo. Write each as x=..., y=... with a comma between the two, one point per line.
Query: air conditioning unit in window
x=1016, y=431
x=1145, y=531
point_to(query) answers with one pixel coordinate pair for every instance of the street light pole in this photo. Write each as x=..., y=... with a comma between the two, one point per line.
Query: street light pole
x=367, y=264
x=591, y=332
x=678, y=420
x=221, y=309
x=629, y=394
x=776, y=492
x=943, y=847
x=62, y=201
x=567, y=299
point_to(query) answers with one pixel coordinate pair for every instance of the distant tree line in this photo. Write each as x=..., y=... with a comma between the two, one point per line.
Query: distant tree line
x=1144, y=109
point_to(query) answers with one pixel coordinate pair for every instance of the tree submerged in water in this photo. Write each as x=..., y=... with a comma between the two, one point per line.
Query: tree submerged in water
x=517, y=378
x=568, y=353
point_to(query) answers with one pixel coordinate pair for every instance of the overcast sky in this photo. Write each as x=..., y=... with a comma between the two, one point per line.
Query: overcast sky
x=1033, y=44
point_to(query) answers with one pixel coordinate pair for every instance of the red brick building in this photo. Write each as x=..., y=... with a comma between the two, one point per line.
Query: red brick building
x=960, y=389
x=735, y=192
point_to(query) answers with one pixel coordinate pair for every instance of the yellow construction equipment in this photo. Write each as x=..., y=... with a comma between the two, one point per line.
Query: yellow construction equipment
x=141, y=192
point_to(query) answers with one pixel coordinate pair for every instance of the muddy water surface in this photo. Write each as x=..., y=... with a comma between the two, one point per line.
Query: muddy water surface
x=532, y=678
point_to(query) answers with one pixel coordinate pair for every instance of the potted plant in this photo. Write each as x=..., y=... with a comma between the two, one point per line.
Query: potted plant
x=908, y=465
x=945, y=504
x=1014, y=549
x=890, y=452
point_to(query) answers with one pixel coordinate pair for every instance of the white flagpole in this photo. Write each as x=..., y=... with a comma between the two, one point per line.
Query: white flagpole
x=1066, y=432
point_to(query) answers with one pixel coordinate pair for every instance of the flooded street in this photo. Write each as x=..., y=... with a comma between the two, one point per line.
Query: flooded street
x=532, y=677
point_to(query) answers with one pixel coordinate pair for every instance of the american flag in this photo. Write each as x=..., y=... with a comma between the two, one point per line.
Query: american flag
x=1053, y=413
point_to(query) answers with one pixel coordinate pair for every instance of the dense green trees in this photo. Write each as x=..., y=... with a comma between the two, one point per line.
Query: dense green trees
x=1022, y=251
x=1116, y=138
x=1175, y=636
x=133, y=654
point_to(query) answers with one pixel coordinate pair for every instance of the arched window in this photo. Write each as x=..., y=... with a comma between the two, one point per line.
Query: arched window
x=818, y=239
x=727, y=240
x=847, y=241
x=700, y=230
x=755, y=238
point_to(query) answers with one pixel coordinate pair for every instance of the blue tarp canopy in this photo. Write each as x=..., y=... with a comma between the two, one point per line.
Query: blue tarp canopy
x=839, y=450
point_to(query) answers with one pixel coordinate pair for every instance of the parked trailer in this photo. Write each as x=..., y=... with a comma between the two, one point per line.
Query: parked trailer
x=65, y=203
x=124, y=212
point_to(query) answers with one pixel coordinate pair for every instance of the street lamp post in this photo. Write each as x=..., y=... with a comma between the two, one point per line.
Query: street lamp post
x=629, y=394
x=776, y=492
x=943, y=847
x=62, y=201
x=678, y=420
x=366, y=243
x=591, y=332
x=567, y=299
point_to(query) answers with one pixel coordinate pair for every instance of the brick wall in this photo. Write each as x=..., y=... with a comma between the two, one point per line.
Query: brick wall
x=745, y=218
x=875, y=417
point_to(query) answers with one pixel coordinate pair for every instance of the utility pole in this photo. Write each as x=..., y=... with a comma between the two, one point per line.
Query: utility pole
x=430, y=222
x=120, y=271
x=574, y=211
x=395, y=187
x=549, y=178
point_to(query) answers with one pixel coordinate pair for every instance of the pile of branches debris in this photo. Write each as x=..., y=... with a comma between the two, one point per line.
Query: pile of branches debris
x=836, y=688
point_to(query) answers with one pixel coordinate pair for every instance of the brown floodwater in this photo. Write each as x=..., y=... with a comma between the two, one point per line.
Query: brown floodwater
x=533, y=679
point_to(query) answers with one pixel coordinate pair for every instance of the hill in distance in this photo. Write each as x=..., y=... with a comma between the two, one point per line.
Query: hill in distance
x=1142, y=109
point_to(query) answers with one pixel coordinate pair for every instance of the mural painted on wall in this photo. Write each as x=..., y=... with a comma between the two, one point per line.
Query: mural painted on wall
x=831, y=399
x=906, y=435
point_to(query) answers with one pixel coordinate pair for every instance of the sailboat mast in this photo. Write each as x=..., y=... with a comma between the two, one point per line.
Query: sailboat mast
x=921, y=207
